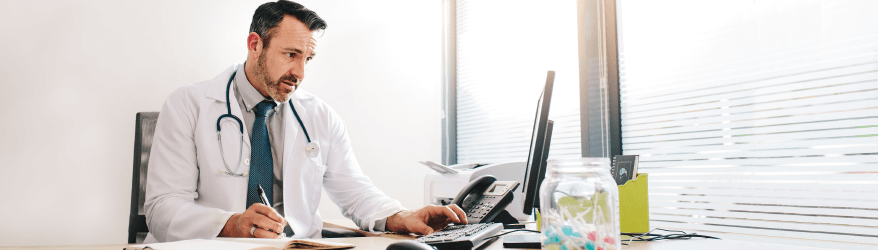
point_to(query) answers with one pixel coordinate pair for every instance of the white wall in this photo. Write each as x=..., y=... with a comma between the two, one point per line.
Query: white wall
x=74, y=73
x=379, y=67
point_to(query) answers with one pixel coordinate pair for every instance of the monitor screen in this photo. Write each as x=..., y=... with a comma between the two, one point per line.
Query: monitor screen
x=536, y=158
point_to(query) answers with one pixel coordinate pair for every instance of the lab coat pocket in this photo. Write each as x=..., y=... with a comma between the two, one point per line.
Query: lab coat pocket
x=315, y=194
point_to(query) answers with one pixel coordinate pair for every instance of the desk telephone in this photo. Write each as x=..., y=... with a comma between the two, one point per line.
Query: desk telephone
x=484, y=198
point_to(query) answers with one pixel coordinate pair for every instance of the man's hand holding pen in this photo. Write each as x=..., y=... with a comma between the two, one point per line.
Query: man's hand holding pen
x=259, y=221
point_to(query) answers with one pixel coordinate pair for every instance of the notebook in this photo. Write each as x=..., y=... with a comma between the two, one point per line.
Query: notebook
x=231, y=245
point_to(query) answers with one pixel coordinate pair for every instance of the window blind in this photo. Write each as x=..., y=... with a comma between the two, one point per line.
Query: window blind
x=504, y=49
x=755, y=117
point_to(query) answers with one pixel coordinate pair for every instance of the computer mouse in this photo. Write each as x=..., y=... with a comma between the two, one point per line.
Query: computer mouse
x=409, y=245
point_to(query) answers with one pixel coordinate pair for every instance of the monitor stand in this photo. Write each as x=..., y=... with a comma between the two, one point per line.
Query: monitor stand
x=508, y=221
x=529, y=240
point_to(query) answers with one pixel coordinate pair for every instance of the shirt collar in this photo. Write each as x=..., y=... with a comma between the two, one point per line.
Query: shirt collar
x=248, y=93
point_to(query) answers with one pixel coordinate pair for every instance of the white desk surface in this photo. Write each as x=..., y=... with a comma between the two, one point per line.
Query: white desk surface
x=380, y=243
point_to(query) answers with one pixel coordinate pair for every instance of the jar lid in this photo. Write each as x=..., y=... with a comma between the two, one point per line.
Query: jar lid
x=579, y=164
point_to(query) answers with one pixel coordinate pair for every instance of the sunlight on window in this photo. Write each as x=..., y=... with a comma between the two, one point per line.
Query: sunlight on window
x=504, y=49
x=765, y=109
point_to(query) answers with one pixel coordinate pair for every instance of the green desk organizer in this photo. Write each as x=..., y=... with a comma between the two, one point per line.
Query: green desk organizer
x=634, y=205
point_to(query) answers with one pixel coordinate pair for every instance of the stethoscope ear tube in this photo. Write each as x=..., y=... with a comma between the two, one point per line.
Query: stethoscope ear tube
x=220, y=120
x=219, y=135
x=229, y=171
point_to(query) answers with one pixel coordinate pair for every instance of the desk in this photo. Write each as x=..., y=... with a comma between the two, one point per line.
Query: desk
x=693, y=244
x=381, y=242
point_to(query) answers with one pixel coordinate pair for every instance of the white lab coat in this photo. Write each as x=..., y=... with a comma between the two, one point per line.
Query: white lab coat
x=187, y=197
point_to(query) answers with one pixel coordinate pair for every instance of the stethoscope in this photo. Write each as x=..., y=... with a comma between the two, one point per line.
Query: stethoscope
x=311, y=150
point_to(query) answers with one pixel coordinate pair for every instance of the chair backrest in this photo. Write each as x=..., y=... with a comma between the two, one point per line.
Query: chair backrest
x=144, y=128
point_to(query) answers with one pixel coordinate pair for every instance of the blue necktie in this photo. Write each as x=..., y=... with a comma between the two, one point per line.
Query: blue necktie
x=261, y=164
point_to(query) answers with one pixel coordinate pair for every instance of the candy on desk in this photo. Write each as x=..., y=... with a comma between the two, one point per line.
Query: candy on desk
x=552, y=236
x=553, y=239
x=568, y=230
x=609, y=240
x=589, y=245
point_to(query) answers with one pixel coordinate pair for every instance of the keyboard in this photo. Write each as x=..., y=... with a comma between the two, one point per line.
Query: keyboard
x=465, y=237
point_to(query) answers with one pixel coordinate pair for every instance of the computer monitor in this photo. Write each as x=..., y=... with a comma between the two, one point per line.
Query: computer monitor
x=542, y=174
x=539, y=148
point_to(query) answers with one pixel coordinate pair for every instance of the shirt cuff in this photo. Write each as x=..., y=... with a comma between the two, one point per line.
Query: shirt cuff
x=380, y=224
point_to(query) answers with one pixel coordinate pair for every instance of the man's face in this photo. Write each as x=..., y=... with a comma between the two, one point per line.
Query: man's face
x=280, y=68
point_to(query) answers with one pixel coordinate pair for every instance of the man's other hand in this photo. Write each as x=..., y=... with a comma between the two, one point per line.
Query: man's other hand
x=261, y=216
x=425, y=220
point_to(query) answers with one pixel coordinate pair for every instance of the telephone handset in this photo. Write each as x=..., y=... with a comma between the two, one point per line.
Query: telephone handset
x=484, y=198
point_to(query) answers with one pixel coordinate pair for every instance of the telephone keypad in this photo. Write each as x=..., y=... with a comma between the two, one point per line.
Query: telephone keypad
x=480, y=209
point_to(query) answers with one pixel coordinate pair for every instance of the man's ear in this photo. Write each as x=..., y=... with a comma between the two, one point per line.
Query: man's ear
x=254, y=45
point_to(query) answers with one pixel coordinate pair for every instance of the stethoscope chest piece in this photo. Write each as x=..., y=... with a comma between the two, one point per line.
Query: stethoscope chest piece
x=312, y=150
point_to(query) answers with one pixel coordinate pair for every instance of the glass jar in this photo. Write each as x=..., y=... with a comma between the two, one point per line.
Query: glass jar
x=579, y=206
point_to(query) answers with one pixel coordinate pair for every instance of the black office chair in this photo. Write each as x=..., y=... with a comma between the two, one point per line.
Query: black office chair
x=144, y=128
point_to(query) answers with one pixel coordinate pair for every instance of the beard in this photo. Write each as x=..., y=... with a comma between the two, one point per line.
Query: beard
x=273, y=88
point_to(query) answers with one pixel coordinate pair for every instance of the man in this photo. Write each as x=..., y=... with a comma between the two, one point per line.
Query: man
x=293, y=146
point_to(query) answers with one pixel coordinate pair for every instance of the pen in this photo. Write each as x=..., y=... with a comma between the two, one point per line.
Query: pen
x=263, y=198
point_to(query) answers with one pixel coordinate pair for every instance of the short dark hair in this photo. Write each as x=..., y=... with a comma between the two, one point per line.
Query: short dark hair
x=268, y=15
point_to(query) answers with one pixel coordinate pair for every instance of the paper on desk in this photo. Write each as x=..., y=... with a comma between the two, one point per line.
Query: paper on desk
x=442, y=169
x=232, y=244
x=202, y=244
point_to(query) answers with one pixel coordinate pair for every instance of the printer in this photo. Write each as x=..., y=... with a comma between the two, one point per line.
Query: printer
x=441, y=186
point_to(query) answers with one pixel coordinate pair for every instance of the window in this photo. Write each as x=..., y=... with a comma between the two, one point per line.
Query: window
x=755, y=117
x=502, y=50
